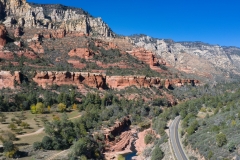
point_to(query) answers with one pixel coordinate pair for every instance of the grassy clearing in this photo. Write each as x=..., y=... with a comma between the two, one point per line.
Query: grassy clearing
x=35, y=122
x=29, y=140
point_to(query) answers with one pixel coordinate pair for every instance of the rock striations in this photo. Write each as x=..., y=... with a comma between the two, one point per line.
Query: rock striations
x=211, y=61
x=19, y=13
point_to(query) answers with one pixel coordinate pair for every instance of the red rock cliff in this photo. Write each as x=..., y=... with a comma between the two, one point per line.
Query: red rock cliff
x=99, y=80
x=94, y=80
x=70, y=78
x=145, y=56
x=119, y=129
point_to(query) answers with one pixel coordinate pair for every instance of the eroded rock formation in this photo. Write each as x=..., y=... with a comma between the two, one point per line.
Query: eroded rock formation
x=98, y=80
x=120, y=128
x=94, y=80
x=145, y=56
x=3, y=33
x=105, y=45
x=149, y=58
x=82, y=53
x=36, y=47
x=8, y=79
x=60, y=18
x=18, y=32
x=7, y=55
x=28, y=54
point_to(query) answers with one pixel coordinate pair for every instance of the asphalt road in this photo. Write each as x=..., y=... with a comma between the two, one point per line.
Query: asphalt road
x=177, y=148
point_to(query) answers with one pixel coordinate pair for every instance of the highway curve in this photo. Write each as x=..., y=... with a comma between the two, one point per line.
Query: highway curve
x=177, y=148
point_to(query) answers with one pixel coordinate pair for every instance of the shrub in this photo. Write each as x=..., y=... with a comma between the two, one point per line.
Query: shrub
x=221, y=139
x=157, y=154
x=9, y=149
x=210, y=154
x=231, y=147
x=37, y=145
x=148, y=139
x=47, y=143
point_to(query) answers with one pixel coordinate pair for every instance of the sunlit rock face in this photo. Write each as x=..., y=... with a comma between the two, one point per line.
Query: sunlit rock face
x=211, y=61
x=19, y=13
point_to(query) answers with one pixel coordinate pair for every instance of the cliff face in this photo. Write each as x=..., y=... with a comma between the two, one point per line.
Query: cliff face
x=118, y=130
x=94, y=80
x=20, y=13
x=99, y=80
x=194, y=57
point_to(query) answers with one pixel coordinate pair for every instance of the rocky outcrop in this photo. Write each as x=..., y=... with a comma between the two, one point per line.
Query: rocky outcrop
x=117, y=128
x=59, y=33
x=105, y=45
x=36, y=47
x=145, y=56
x=120, y=128
x=18, y=32
x=3, y=33
x=82, y=53
x=8, y=79
x=28, y=54
x=149, y=58
x=95, y=80
x=211, y=61
x=57, y=17
x=99, y=80
x=121, y=82
x=7, y=55
x=140, y=144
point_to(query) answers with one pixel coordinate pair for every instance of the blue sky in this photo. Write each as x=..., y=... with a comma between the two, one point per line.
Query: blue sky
x=212, y=21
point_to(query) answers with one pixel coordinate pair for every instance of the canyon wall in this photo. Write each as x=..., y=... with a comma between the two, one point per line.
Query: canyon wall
x=94, y=80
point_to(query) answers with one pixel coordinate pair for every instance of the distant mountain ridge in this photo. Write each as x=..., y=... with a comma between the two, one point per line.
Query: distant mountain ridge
x=212, y=61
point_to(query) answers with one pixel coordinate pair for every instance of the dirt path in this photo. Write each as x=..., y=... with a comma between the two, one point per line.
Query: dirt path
x=57, y=154
x=40, y=130
x=30, y=134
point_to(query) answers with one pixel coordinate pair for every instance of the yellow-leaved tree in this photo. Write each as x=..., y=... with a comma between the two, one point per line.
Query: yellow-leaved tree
x=40, y=107
x=74, y=107
x=33, y=109
x=61, y=107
